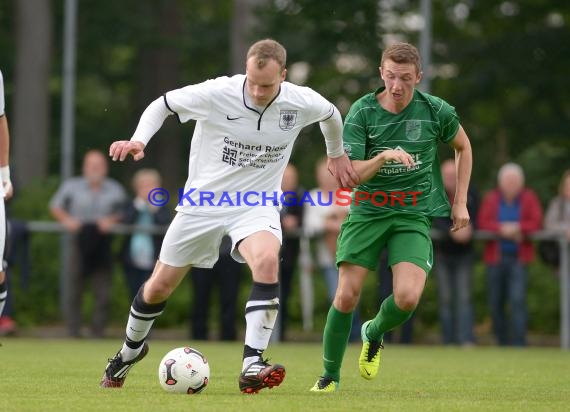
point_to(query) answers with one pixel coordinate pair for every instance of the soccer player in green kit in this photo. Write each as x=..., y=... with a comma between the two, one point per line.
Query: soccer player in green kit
x=391, y=136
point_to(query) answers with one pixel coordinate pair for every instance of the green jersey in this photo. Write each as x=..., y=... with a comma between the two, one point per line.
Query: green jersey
x=369, y=129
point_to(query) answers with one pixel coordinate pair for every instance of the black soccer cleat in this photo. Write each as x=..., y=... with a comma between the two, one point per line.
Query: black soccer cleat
x=325, y=385
x=260, y=375
x=117, y=370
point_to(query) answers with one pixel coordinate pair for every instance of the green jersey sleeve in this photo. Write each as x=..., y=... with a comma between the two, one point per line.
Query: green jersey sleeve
x=354, y=132
x=448, y=120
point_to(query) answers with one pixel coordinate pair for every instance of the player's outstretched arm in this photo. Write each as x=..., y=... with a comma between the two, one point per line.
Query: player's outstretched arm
x=151, y=120
x=463, y=164
x=367, y=169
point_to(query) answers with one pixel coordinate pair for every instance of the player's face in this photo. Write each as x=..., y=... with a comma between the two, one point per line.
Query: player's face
x=400, y=80
x=263, y=84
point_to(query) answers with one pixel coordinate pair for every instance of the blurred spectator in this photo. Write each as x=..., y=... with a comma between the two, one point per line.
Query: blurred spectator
x=558, y=212
x=323, y=220
x=513, y=212
x=140, y=250
x=557, y=219
x=291, y=223
x=454, y=267
x=385, y=289
x=226, y=273
x=88, y=207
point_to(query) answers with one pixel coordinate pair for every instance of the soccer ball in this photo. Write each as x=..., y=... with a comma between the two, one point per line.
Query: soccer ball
x=184, y=370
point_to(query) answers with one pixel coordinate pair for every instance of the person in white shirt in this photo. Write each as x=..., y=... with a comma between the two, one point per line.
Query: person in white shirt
x=245, y=130
x=5, y=190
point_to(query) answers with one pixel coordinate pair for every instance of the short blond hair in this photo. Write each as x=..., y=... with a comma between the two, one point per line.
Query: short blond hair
x=402, y=53
x=265, y=50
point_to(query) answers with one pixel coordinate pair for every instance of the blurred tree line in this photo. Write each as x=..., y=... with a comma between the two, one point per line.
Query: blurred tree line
x=502, y=64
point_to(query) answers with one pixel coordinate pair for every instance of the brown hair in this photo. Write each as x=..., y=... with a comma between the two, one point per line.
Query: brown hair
x=402, y=53
x=265, y=50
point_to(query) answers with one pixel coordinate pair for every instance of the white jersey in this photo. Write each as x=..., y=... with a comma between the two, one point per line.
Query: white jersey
x=239, y=151
x=1, y=94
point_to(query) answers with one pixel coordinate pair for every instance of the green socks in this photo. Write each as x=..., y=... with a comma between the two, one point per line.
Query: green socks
x=389, y=316
x=337, y=332
x=335, y=339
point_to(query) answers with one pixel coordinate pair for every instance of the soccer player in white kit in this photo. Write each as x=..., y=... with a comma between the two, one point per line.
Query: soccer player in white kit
x=5, y=190
x=245, y=130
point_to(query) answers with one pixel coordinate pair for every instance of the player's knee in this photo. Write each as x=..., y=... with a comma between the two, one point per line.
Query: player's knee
x=346, y=299
x=157, y=291
x=265, y=264
x=407, y=300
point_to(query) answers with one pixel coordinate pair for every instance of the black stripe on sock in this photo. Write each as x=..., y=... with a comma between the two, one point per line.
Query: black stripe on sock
x=132, y=344
x=248, y=352
x=261, y=307
x=142, y=317
x=264, y=291
x=3, y=287
x=147, y=308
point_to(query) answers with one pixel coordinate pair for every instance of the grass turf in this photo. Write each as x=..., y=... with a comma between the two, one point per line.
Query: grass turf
x=63, y=375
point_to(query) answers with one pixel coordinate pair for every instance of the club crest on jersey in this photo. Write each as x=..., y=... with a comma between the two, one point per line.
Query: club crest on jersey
x=287, y=119
x=413, y=129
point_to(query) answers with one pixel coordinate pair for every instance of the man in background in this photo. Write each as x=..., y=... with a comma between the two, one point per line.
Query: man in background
x=513, y=212
x=454, y=267
x=88, y=206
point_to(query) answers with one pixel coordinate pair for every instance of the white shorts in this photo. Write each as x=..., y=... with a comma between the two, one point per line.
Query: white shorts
x=195, y=239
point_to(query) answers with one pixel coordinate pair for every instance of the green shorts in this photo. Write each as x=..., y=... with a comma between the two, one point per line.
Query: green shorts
x=362, y=238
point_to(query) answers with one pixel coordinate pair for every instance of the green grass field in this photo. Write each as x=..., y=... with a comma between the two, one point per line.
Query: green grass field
x=63, y=375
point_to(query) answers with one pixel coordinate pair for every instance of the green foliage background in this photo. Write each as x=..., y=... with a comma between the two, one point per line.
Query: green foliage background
x=503, y=65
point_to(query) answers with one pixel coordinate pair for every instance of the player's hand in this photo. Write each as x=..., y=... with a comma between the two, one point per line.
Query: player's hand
x=511, y=231
x=6, y=183
x=8, y=189
x=398, y=156
x=105, y=224
x=459, y=216
x=341, y=169
x=72, y=224
x=119, y=150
